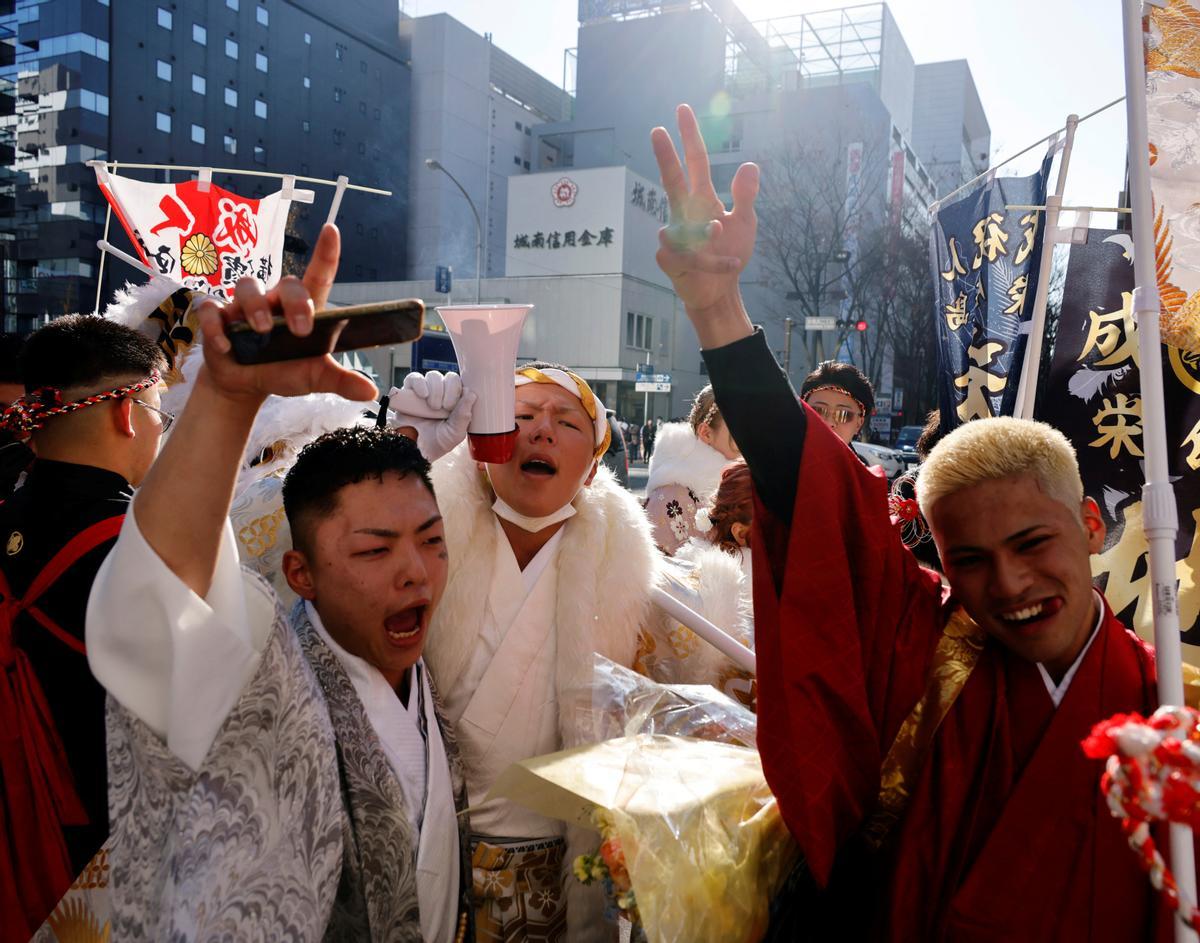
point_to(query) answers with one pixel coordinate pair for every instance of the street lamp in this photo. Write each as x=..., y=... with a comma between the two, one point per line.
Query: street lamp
x=435, y=165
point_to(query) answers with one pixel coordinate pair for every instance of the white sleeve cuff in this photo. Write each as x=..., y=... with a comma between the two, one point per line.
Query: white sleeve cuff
x=176, y=661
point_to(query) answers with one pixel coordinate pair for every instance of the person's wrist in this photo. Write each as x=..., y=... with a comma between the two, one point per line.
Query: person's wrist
x=721, y=322
x=235, y=401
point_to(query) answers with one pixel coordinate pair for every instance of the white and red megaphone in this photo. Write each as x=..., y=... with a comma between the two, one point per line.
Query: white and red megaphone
x=485, y=338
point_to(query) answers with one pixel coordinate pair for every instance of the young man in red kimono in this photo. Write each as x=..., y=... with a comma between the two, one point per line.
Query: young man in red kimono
x=924, y=746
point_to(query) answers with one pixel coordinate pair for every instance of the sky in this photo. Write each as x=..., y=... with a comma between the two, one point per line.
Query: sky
x=1034, y=62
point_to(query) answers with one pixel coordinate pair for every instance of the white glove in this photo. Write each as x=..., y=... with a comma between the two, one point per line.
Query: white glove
x=435, y=405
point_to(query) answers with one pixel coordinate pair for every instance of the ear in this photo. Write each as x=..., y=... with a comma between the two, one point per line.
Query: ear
x=740, y=532
x=298, y=574
x=857, y=429
x=123, y=418
x=592, y=474
x=705, y=433
x=1093, y=524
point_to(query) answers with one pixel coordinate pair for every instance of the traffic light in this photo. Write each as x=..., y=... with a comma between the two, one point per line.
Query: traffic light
x=860, y=326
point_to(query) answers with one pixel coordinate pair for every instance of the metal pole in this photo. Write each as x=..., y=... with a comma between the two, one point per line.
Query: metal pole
x=1027, y=392
x=435, y=165
x=787, y=345
x=1159, y=512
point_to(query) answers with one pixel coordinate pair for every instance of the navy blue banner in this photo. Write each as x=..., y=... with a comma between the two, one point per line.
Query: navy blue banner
x=1093, y=394
x=985, y=260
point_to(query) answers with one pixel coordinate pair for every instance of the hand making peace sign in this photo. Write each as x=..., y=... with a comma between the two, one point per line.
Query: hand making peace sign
x=705, y=248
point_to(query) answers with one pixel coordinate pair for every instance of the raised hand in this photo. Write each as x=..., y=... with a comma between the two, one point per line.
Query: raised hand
x=705, y=248
x=296, y=300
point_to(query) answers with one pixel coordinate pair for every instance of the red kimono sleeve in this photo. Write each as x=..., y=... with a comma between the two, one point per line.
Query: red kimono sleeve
x=845, y=626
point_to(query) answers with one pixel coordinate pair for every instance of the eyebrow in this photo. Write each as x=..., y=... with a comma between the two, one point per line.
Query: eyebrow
x=558, y=408
x=1019, y=535
x=391, y=534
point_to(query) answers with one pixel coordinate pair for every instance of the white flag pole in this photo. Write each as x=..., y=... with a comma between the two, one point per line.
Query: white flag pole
x=1159, y=512
x=100, y=276
x=1027, y=391
x=726, y=644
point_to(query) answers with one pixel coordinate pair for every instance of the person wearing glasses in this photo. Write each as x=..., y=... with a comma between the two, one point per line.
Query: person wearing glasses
x=91, y=411
x=841, y=395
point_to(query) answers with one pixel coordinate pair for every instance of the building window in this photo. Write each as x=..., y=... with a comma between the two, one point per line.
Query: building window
x=260, y=154
x=338, y=136
x=260, y=108
x=231, y=97
x=199, y=85
x=525, y=164
x=305, y=126
x=307, y=82
x=629, y=316
x=338, y=93
x=528, y=133
x=162, y=122
x=230, y=144
x=164, y=18
x=308, y=39
x=362, y=108
x=638, y=330
x=518, y=124
x=231, y=48
x=377, y=114
x=198, y=134
x=163, y=70
x=232, y=4
x=260, y=14
x=339, y=52
x=517, y=161
x=199, y=34
x=260, y=62
x=362, y=148
x=362, y=66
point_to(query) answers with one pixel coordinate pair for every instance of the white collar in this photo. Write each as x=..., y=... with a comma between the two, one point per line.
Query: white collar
x=365, y=677
x=1058, y=691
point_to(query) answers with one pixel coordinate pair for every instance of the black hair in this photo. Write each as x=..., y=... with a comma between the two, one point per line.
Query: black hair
x=931, y=435
x=345, y=457
x=844, y=376
x=83, y=350
x=543, y=365
x=10, y=357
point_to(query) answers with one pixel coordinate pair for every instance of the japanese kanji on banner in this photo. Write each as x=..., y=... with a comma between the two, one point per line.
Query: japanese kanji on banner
x=985, y=270
x=203, y=239
x=1172, y=99
x=1093, y=395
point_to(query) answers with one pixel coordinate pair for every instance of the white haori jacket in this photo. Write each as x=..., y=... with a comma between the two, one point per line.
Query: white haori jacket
x=215, y=690
x=586, y=592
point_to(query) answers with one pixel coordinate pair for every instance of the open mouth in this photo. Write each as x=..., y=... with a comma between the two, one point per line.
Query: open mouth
x=538, y=466
x=405, y=626
x=1033, y=613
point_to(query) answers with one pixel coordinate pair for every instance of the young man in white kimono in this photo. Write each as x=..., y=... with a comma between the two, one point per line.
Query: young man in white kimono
x=276, y=777
x=551, y=561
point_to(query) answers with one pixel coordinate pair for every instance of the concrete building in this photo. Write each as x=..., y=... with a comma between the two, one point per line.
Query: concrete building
x=951, y=132
x=288, y=86
x=474, y=108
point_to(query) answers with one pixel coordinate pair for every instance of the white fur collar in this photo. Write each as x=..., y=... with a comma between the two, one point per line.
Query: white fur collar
x=607, y=564
x=682, y=459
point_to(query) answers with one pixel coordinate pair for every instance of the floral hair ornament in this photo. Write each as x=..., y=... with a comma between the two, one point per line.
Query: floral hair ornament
x=577, y=387
x=1152, y=775
x=26, y=414
x=903, y=507
x=703, y=520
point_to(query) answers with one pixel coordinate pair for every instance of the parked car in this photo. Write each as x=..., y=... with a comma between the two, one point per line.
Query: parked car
x=906, y=445
x=616, y=458
x=892, y=461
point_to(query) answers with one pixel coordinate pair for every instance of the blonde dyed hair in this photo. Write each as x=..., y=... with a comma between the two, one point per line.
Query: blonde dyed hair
x=1001, y=447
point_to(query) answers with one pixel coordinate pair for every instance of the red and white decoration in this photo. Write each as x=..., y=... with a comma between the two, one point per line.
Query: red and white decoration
x=1152, y=775
x=564, y=191
x=200, y=236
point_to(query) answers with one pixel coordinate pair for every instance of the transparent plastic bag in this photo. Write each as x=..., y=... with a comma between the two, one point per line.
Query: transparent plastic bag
x=677, y=784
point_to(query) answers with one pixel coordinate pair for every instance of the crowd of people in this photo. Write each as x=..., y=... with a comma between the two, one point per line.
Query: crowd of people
x=271, y=665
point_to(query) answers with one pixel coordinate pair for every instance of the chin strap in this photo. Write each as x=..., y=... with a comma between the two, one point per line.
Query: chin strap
x=531, y=524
